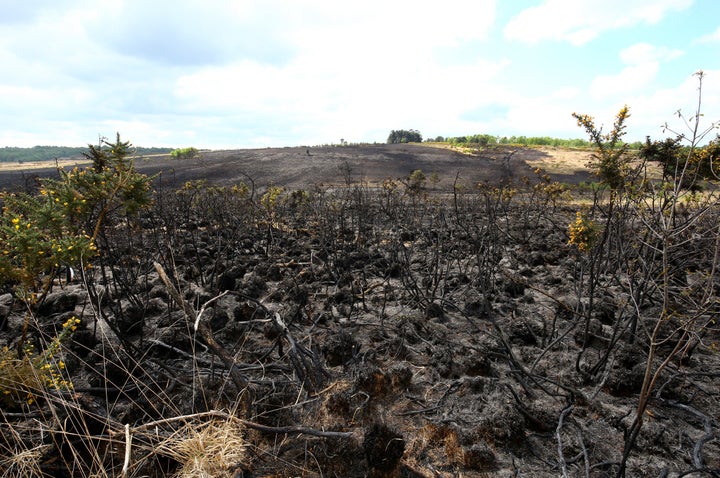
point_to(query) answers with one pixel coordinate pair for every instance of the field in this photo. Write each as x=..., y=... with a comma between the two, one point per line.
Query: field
x=323, y=312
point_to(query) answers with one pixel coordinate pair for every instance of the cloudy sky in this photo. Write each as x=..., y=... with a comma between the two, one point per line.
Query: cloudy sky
x=256, y=73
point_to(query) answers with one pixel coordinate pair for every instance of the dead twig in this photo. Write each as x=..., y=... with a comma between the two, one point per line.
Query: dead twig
x=204, y=331
x=709, y=428
x=558, y=430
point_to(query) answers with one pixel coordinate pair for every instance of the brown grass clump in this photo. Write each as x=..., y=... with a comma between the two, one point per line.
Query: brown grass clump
x=23, y=463
x=210, y=450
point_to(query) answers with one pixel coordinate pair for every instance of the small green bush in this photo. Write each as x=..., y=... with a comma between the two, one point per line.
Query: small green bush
x=184, y=153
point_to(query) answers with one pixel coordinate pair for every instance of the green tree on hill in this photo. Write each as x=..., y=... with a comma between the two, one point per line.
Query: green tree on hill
x=404, y=136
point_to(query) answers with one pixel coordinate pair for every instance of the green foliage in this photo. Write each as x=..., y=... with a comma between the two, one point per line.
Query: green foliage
x=48, y=153
x=416, y=182
x=404, y=136
x=25, y=375
x=653, y=233
x=271, y=199
x=185, y=153
x=60, y=223
x=611, y=163
x=489, y=140
x=479, y=139
x=544, y=141
x=682, y=161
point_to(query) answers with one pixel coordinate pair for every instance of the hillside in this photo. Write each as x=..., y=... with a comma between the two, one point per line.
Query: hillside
x=301, y=167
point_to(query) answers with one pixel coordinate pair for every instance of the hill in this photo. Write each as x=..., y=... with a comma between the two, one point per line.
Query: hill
x=302, y=167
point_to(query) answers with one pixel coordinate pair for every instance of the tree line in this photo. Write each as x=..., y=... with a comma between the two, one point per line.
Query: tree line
x=414, y=136
x=488, y=139
x=47, y=153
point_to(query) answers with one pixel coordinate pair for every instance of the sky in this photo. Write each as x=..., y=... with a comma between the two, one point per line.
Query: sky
x=264, y=73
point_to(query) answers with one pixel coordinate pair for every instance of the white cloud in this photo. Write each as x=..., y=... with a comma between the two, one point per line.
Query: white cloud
x=644, y=52
x=713, y=37
x=580, y=21
x=194, y=32
x=643, y=65
x=661, y=106
x=333, y=99
x=14, y=12
x=631, y=78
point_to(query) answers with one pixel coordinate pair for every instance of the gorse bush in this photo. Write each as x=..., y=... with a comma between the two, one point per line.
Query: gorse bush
x=611, y=162
x=677, y=159
x=58, y=225
x=583, y=232
x=656, y=233
x=25, y=374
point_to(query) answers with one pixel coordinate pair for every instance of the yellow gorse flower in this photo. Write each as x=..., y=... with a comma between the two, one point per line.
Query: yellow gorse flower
x=583, y=232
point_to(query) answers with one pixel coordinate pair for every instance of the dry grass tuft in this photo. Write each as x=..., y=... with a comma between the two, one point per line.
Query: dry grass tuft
x=23, y=463
x=213, y=449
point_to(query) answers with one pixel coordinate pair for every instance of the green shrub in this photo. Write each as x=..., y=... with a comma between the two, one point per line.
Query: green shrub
x=184, y=153
x=59, y=224
x=24, y=375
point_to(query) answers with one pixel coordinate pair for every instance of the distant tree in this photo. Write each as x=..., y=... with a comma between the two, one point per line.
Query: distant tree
x=666, y=152
x=680, y=161
x=404, y=136
x=184, y=153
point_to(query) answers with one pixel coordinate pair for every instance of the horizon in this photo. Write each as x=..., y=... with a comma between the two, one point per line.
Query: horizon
x=425, y=140
x=261, y=74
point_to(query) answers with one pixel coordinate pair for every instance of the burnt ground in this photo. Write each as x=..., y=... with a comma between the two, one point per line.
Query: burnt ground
x=363, y=331
x=303, y=167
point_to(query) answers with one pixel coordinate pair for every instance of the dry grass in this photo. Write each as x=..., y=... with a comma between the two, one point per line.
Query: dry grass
x=31, y=165
x=212, y=449
x=24, y=463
